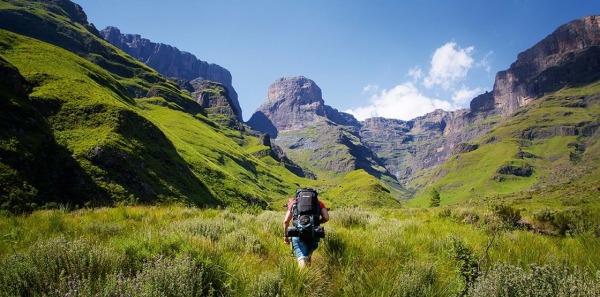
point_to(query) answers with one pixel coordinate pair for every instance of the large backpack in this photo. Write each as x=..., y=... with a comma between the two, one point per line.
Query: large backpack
x=306, y=212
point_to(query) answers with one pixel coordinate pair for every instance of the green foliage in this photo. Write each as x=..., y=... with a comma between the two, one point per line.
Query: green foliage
x=546, y=280
x=568, y=221
x=468, y=263
x=434, y=197
x=541, y=151
x=508, y=215
x=180, y=251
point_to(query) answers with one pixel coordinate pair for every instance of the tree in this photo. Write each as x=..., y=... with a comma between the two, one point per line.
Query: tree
x=434, y=197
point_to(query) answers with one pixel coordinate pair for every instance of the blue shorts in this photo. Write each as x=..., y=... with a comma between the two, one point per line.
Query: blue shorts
x=304, y=249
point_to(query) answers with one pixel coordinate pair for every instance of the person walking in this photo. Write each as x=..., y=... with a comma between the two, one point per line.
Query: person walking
x=307, y=213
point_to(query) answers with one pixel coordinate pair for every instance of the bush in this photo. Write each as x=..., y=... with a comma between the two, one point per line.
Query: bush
x=468, y=216
x=507, y=215
x=351, y=217
x=468, y=263
x=508, y=280
x=434, y=198
x=570, y=221
x=244, y=241
x=49, y=265
x=576, y=221
x=268, y=284
x=166, y=276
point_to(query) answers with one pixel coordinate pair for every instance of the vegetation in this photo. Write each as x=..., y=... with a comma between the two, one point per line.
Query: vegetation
x=181, y=251
x=545, y=150
x=85, y=126
x=434, y=197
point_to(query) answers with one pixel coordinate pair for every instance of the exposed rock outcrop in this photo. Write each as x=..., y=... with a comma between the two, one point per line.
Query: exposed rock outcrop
x=214, y=98
x=569, y=54
x=313, y=134
x=294, y=103
x=408, y=147
x=171, y=62
x=274, y=151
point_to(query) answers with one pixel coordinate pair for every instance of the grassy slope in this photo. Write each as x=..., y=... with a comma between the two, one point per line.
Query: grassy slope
x=100, y=127
x=329, y=151
x=562, y=169
x=128, y=149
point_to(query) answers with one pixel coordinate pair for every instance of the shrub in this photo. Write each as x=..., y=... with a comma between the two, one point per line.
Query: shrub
x=351, y=217
x=48, y=266
x=508, y=280
x=165, y=276
x=468, y=216
x=508, y=215
x=244, y=241
x=469, y=266
x=445, y=213
x=268, y=284
x=434, y=197
x=576, y=221
x=544, y=215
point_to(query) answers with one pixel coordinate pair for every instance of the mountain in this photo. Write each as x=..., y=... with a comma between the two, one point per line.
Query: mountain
x=84, y=124
x=171, y=62
x=540, y=134
x=315, y=135
x=567, y=57
x=418, y=153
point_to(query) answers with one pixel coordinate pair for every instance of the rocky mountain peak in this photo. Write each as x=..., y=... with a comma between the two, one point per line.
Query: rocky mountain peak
x=568, y=54
x=297, y=90
x=294, y=103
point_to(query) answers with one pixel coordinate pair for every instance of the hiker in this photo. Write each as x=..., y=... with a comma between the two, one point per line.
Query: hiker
x=308, y=213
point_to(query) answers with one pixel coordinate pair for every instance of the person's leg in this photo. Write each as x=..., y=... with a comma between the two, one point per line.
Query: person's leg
x=311, y=248
x=303, y=263
x=302, y=252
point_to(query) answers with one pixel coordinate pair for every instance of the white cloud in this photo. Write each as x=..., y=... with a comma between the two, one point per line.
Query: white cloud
x=449, y=65
x=415, y=73
x=370, y=89
x=464, y=95
x=485, y=63
x=403, y=102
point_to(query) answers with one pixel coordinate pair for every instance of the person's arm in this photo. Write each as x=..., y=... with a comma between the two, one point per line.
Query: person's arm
x=324, y=215
x=286, y=223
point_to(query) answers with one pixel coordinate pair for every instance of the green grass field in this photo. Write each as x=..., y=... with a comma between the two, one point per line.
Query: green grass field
x=179, y=251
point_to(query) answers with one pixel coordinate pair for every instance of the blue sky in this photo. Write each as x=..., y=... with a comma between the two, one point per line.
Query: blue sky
x=396, y=59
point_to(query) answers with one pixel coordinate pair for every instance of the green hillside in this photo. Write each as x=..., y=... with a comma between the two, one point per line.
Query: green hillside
x=87, y=125
x=548, y=151
x=83, y=138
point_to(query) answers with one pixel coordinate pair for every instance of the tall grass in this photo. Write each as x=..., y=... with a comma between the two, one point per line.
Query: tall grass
x=179, y=251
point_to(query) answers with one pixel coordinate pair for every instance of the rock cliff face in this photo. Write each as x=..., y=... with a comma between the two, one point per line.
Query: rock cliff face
x=313, y=134
x=568, y=54
x=294, y=103
x=214, y=98
x=406, y=148
x=171, y=62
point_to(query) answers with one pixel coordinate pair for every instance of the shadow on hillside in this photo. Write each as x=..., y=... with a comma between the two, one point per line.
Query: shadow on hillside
x=261, y=123
x=146, y=164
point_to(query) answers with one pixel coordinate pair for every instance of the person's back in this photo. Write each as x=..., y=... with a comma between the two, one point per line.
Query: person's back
x=308, y=212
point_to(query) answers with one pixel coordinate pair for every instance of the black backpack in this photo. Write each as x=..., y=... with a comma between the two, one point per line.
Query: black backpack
x=306, y=212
